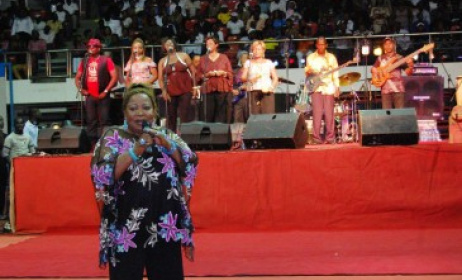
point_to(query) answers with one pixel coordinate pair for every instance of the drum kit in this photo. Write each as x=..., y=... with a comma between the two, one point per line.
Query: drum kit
x=345, y=108
x=346, y=112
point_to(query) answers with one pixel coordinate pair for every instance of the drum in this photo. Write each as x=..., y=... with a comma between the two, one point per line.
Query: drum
x=338, y=109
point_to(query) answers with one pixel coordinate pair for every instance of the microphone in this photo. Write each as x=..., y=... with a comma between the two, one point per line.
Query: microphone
x=146, y=126
x=170, y=50
x=147, y=129
x=208, y=50
x=135, y=53
x=251, y=55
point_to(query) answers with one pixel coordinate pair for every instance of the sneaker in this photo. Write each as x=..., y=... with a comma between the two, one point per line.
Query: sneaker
x=7, y=228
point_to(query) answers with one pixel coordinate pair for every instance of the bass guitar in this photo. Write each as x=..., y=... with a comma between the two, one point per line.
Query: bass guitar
x=383, y=73
x=312, y=82
x=241, y=94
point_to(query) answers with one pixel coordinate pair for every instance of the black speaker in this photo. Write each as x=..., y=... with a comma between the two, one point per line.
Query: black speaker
x=275, y=131
x=388, y=127
x=425, y=94
x=63, y=140
x=206, y=136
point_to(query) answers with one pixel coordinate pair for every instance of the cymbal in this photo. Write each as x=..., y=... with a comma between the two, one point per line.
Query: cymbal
x=285, y=81
x=349, y=78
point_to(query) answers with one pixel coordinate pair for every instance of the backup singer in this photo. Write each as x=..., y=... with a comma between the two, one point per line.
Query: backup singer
x=393, y=88
x=240, y=107
x=323, y=96
x=260, y=74
x=176, y=69
x=216, y=74
x=140, y=68
x=95, y=77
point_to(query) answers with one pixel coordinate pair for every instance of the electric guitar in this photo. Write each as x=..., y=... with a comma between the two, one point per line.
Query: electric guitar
x=312, y=82
x=383, y=73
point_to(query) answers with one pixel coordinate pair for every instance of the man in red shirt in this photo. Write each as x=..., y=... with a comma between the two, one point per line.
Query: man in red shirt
x=95, y=77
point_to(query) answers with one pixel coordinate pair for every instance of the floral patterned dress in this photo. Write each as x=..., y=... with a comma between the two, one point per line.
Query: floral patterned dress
x=146, y=205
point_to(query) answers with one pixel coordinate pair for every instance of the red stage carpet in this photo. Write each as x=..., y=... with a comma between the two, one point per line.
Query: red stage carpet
x=327, y=187
x=259, y=253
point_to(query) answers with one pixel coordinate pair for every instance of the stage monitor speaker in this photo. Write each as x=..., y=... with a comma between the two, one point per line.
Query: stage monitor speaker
x=425, y=94
x=206, y=136
x=275, y=131
x=63, y=140
x=388, y=127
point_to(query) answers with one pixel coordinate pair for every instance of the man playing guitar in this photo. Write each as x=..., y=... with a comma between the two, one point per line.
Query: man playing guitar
x=323, y=96
x=391, y=82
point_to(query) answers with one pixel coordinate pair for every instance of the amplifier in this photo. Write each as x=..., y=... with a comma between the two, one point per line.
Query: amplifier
x=424, y=69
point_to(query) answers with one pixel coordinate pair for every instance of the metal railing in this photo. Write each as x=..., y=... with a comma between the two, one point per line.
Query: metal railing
x=64, y=62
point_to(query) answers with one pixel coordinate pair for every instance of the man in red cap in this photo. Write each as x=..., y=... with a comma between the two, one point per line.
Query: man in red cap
x=95, y=77
x=393, y=86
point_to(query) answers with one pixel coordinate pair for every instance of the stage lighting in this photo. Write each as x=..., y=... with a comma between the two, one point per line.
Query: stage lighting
x=377, y=51
x=55, y=126
x=365, y=50
x=365, y=47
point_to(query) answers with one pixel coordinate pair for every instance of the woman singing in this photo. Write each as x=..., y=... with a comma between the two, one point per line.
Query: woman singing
x=216, y=75
x=143, y=177
x=260, y=74
x=176, y=72
x=140, y=68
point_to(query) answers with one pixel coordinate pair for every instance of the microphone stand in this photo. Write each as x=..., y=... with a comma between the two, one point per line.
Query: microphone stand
x=206, y=84
x=286, y=54
x=79, y=91
x=167, y=61
x=249, y=83
x=450, y=82
x=130, y=75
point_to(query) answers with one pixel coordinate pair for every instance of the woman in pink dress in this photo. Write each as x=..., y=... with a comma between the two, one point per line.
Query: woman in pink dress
x=140, y=68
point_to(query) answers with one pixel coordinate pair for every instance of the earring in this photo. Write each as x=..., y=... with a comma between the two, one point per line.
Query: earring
x=125, y=126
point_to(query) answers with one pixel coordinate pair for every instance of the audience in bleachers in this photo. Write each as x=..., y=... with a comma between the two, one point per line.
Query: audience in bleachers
x=189, y=21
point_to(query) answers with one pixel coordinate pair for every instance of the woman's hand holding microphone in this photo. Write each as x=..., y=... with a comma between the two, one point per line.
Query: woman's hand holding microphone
x=159, y=138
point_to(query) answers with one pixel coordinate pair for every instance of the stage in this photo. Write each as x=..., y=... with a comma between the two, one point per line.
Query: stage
x=323, y=210
x=331, y=187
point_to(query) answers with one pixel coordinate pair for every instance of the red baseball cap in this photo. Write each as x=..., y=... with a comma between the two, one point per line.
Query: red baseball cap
x=94, y=42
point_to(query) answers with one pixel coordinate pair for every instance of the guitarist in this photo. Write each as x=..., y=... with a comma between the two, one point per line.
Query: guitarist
x=323, y=96
x=393, y=89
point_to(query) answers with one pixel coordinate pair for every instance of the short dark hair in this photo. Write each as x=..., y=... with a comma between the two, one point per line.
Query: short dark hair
x=213, y=38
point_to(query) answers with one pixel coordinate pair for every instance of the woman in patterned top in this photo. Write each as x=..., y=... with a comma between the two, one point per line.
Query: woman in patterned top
x=140, y=68
x=143, y=178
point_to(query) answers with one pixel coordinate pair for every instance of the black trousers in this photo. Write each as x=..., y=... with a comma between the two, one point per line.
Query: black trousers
x=163, y=262
x=179, y=106
x=97, y=116
x=215, y=107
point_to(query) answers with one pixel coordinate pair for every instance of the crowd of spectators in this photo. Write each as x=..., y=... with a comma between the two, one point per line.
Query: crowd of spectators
x=190, y=21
